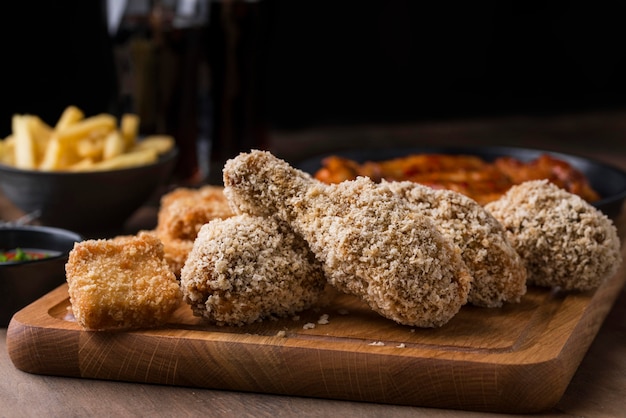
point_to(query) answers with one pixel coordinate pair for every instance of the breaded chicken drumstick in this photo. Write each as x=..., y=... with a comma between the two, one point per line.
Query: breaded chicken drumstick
x=371, y=244
x=247, y=268
x=498, y=272
x=564, y=240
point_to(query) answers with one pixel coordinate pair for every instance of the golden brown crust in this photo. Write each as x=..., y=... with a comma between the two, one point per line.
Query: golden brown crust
x=176, y=252
x=121, y=283
x=563, y=240
x=370, y=242
x=244, y=269
x=182, y=213
x=498, y=272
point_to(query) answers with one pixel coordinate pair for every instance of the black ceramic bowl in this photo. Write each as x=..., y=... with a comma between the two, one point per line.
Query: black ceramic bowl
x=23, y=282
x=608, y=181
x=84, y=201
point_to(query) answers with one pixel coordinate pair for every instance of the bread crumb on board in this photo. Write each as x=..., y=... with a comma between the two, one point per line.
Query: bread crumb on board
x=323, y=320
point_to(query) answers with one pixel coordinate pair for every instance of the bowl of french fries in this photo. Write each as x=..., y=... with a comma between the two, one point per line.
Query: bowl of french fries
x=85, y=172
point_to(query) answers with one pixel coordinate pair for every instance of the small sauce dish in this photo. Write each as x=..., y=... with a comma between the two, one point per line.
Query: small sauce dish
x=24, y=280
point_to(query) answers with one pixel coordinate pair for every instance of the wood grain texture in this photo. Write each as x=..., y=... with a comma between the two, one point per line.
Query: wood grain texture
x=518, y=359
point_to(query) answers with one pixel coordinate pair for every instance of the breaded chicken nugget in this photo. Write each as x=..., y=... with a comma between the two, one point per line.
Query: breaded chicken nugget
x=245, y=268
x=121, y=283
x=176, y=252
x=181, y=214
x=498, y=273
x=183, y=210
x=563, y=240
x=371, y=244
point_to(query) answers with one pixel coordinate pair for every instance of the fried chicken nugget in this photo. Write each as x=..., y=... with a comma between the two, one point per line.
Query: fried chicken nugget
x=564, y=241
x=181, y=214
x=370, y=243
x=498, y=272
x=121, y=283
x=245, y=268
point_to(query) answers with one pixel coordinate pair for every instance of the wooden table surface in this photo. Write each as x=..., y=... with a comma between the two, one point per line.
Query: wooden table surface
x=596, y=390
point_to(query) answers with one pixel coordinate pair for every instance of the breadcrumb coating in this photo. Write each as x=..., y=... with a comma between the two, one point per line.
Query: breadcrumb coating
x=121, y=283
x=176, y=252
x=371, y=244
x=564, y=241
x=246, y=268
x=498, y=272
x=181, y=214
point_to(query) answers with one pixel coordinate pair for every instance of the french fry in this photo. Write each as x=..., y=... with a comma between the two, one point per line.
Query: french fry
x=160, y=143
x=7, y=151
x=63, y=149
x=88, y=127
x=79, y=143
x=70, y=115
x=85, y=164
x=129, y=127
x=114, y=145
x=90, y=147
x=41, y=132
x=59, y=156
x=127, y=160
x=25, y=153
x=52, y=159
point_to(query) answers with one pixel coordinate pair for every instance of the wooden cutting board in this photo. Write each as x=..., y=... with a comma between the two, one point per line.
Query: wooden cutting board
x=519, y=358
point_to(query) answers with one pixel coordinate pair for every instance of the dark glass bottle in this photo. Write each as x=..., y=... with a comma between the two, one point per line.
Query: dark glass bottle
x=236, y=44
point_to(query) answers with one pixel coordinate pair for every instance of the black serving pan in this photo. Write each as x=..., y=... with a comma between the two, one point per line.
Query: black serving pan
x=608, y=181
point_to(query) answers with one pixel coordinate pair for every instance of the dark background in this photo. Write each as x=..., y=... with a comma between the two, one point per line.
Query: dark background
x=352, y=62
x=54, y=53
x=411, y=60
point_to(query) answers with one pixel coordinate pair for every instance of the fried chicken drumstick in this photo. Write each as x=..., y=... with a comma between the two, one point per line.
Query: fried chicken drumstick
x=563, y=240
x=369, y=241
x=498, y=272
x=247, y=268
